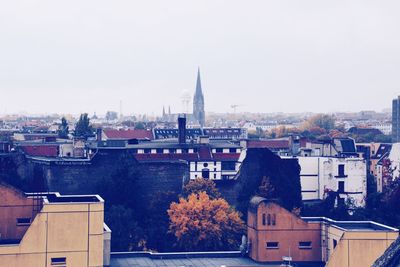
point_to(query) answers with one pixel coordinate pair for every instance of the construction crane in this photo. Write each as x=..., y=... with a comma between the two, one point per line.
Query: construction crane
x=235, y=106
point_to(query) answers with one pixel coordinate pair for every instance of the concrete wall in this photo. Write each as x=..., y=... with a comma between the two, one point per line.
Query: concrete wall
x=319, y=174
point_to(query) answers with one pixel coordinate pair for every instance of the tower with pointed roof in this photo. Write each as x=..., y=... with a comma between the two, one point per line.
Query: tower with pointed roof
x=198, y=102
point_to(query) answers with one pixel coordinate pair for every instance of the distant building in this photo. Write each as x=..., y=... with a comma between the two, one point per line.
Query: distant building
x=384, y=127
x=396, y=120
x=194, y=133
x=48, y=229
x=364, y=131
x=335, y=147
x=388, y=167
x=321, y=175
x=275, y=235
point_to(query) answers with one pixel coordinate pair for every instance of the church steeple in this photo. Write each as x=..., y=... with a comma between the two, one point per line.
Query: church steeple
x=198, y=102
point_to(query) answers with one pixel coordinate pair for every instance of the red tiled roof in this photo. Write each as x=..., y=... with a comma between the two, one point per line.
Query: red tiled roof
x=272, y=144
x=128, y=134
x=225, y=156
x=41, y=150
x=205, y=153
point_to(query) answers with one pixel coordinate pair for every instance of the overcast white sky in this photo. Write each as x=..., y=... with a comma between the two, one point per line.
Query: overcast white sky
x=269, y=56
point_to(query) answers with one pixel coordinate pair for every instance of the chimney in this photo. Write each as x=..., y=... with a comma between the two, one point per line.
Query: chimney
x=182, y=128
x=99, y=132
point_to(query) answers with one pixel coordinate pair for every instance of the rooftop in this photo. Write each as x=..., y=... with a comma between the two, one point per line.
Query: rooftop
x=354, y=226
x=55, y=197
x=192, y=259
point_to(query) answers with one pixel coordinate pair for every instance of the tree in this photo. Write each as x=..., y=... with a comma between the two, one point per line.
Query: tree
x=156, y=221
x=139, y=126
x=111, y=115
x=323, y=121
x=266, y=189
x=63, y=129
x=82, y=127
x=201, y=185
x=283, y=179
x=126, y=233
x=200, y=223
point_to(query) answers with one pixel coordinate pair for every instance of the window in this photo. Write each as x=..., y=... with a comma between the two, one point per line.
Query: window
x=272, y=245
x=218, y=150
x=159, y=150
x=232, y=150
x=23, y=221
x=341, y=187
x=147, y=151
x=269, y=219
x=341, y=170
x=263, y=219
x=62, y=261
x=305, y=245
x=273, y=219
x=334, y=243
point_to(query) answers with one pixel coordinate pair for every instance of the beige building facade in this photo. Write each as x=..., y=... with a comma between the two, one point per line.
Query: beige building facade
x=64, y=231
x=275, y=234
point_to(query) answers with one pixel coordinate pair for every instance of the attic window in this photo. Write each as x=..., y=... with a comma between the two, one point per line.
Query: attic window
x=23, y=221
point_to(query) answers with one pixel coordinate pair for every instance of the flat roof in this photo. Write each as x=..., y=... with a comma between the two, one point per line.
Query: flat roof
x=55, y=197
x=355, y=226
x=190, y=259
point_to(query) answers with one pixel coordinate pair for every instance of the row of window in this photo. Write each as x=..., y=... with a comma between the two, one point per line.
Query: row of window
x=302, y=245
x=225, y=166
x=269, y=219
x=179, y=150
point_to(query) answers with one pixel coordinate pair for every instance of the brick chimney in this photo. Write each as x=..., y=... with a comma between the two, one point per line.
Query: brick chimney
x=182, y=128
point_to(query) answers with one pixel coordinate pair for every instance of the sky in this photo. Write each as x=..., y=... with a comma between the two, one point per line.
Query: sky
x=265, y=56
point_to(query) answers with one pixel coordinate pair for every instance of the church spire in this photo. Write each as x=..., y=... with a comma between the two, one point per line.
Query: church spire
x=198, y=102
x=198, y=83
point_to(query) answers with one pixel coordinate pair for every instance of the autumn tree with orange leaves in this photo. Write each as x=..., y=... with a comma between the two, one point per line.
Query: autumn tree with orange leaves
x=200, y=223
x=201, y=185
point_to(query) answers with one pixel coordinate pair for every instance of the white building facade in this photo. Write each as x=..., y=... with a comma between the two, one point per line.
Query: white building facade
x=347, y=176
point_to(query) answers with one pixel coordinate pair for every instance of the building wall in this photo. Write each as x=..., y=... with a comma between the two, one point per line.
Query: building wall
x=215, y=169
x=259, y=234
x=360, y=248
x=13, y=205
x=319, y=174
x=70, y=230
